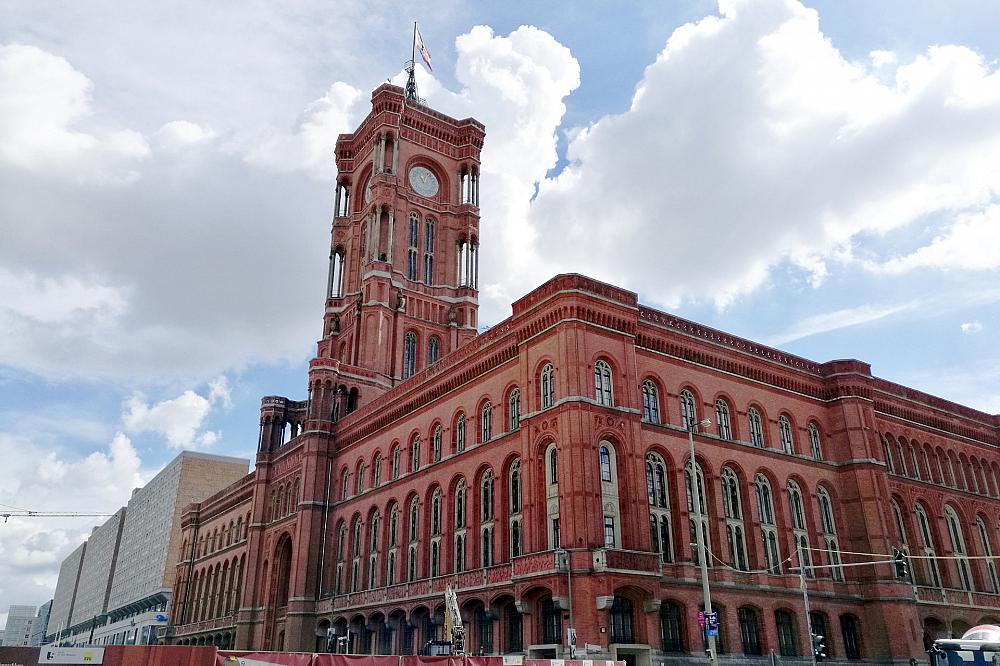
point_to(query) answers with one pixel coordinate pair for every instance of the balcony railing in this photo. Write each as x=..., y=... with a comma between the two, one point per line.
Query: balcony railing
x=499, y=574
x=951, y=597
x=224, y=622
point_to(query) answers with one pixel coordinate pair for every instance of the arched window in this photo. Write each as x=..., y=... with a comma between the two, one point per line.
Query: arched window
x=428, y=251
x=928, y=543
x=889, y=462
x=460, y=433
x=411, y=252
x=798, y=513
x=487, y=497
x=987, y=547
x=514, y=410
x=735, y=531
x=750, y=630
x=393, y=526
x=553, y=465
x=603, y=392
x=341, y=547
x=547, y=380
x=694, y=513
x=377, y=471
x=897, y=515
x=486, y=423
x=609, y=495
x=785, y=430
x=395, y=462
x=414, y=527
x=671, y=633
x=814, y=443
x=552, y=495
x=356, y=555
x=659, y=506
x=605, y=457
x=460, y=504
x=415, y=454
x=851, y=635
x=373, y=550
x=345, y=484
x=785, y=625
x=650, y=402
x=515, y=487
x=722, y=419
x=621, y=621
x=689, y=415
x=433, y=350
x=409, y=354
x=436, y=513
x=411, y=564
x=958, y=548
x=436, y=443
x=359, y=479
x=768, y=529
x=829, y=533
x=756, y=427
x=551, y=619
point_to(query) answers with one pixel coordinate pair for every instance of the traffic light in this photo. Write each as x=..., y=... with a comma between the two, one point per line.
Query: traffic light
x=900, y=564
x=819, y=647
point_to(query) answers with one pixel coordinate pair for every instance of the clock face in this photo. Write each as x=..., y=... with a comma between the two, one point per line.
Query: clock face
x=423, y=181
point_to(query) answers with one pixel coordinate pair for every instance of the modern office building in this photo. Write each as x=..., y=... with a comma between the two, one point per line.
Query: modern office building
x=116, y=587
x=41, y=625
x=20, y=621
x=543, y=468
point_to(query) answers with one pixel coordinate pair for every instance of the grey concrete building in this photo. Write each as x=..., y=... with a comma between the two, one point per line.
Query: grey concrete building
x=65, y=594
x=20, y=620
x=97, y=569
x=41, y=626
x=123, y=583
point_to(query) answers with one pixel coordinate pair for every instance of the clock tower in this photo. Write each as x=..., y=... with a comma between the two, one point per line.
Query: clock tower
x=403, y=280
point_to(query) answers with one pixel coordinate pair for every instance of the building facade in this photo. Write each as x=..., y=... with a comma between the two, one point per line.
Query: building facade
x=542, y=469
x=41, y=626
x=115, y=588
x=20, y=623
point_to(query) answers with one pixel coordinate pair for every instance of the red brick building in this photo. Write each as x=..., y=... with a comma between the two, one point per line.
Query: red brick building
x=540, y=468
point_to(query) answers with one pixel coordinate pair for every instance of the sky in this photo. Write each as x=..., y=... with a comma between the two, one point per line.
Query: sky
x=822, y=177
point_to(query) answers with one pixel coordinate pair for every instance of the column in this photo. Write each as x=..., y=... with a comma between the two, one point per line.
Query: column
x=395, y=154
x=475, y=273
x=336, y=200
x=329, y=276
x=377, y=240
x=392, y=230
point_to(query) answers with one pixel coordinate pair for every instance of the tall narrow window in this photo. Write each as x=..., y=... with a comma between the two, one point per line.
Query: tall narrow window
x=395, y=462
x=548, y=386
x=377, y=471
x=829, y=533
x=433, y=350
x=609, y=532
x=735, y=531
x=722, y=419
x=928, y=543
x=786, y=633
x=689, y=415
x=602, y=384
x=514, y=494
x=359, y=479
x=605, y=457
x=409, y=354
x=459, y=530
x=429, y=251
x=750, y=630
x=609, y=495
x=460, y=514
x=375, y=525
x=799, y=533
x=460, y=552
x=698, y=491
x=851, y=636
x=411, y=253
x=814, y=443
x=345, y=485
x=436, y=513
x=552, y=495
x=958, y=548
x=514, y=410
x=991, y=565
x=671, y=635
x=486, y=547
x=487, y=497
x=756, y=427
x=650, y=402
x=415, y=454
x=437, y=443
x=785, y=430
x=659, y=507
x=460, y=433
x=768, y=529
x=486, y=423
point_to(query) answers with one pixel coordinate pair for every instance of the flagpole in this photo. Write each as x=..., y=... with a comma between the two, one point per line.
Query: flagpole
x=413, y=51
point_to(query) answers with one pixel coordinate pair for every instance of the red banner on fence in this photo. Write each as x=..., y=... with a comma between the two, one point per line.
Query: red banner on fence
x=233, y=658
x=326, y=659
x=158, y=655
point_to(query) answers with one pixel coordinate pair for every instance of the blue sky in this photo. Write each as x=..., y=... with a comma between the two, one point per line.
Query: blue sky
x=821, y=178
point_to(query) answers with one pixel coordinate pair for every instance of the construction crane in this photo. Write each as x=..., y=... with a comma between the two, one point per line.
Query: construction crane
x=25, y=513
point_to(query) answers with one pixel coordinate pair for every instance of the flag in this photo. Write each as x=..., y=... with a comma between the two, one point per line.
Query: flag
x=424, y=53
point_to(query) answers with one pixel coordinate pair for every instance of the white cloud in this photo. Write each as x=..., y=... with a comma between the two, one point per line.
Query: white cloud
x=972, y=242
x=971, y=327
x=832, y=321
x=35, y=477
x=179, y=134
x=42, y=98
x=178, y=420
x=752, y=141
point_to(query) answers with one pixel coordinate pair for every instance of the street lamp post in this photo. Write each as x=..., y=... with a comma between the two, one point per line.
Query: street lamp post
x=696, y=499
